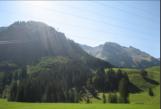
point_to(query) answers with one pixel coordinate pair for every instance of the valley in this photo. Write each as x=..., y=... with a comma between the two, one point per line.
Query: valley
x=42, y=68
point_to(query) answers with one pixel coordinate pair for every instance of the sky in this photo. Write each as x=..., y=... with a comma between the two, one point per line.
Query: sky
x=128, y=23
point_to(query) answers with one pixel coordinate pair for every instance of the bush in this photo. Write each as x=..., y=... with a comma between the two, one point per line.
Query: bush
x=112, y=98
x=151, y=93
x=104, y=98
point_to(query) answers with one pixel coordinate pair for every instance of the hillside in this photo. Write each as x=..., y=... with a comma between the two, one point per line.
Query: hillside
x=136, y=79
x=27, y=42
x=121, y=56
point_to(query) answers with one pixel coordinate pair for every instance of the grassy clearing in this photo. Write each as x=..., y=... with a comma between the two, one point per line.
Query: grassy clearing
x=14, y=105
x=136, y=79
x=138, y=98
x=144, y=98
x=154, y=72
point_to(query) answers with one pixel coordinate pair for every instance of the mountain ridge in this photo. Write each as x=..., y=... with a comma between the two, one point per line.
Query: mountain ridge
x=121, y=56
x=31, y=40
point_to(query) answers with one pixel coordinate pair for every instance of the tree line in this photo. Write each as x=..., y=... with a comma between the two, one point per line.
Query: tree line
x=59, y=79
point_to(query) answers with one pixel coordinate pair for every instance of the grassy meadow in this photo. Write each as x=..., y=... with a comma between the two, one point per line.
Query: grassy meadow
x=14, y=105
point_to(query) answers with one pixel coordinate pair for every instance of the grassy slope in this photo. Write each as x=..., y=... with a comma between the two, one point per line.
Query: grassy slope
x=145, y=98
x=135, y=78
x=154, y=72
x=12, y=105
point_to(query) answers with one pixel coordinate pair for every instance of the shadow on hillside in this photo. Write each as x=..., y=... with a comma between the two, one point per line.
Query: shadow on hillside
x=133, y=88
x=154, y=82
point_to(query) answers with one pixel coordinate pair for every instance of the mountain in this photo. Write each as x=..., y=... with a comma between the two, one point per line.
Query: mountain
x=2, y=28
x=121, y=56
x=26, y=42
x=158, y=59
x=39, y=64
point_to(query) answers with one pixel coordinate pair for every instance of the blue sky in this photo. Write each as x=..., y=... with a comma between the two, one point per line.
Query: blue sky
x=129, y=23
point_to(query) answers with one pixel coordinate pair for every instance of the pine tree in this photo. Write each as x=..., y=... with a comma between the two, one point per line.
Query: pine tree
x=144, y=73
x=151, y=93
x=13, y=91
x=112, y=98
x=20, y=92
x=88, y=100
x=104, y=98
x=123, y=90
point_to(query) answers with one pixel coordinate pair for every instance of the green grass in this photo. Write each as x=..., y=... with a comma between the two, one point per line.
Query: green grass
x=135, y=78
x=138, y=98
x=14, y=105
x=145, y=98
x=154, y=68
x=154, y=72
x=128, y=70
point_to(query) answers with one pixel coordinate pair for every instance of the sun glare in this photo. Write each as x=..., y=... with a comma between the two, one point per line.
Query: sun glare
x=37, y=3
x=36, y=8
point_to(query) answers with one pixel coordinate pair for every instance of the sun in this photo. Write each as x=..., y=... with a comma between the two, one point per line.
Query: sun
x=36, y=8
x=37, y=3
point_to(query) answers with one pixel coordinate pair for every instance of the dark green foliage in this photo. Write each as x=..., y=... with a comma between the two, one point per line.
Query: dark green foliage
x=6, y=92
x=10, y=72
x=104, y=98
x=54, y=79
x=88, y=100
x=144, y=73
x=73, y=95
x=13, y=91
x=108, y=81
x=112, y=98
x=50, y=94
x=61, y=79
x=151, y=93
x=20, y=92
x=91, y=87
x=123, y=90
x=100, y=81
